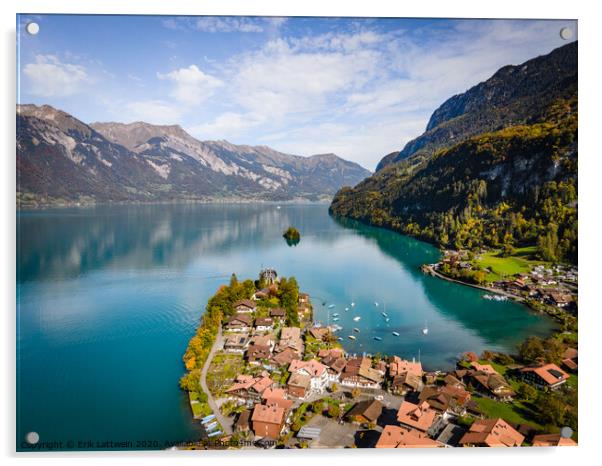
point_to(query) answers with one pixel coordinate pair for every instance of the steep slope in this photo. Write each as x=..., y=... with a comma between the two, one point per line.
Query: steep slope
x=182, y=159
x=509, y=187
x=62, y=160
x=513, y=95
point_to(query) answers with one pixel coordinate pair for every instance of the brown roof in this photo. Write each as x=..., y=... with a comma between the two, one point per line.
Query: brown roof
x=420, y=416
x=243, y=318
x=242, y=423
x=570, y=353
x=550, y=373
x=290, y=333
x=246, y=382
x=492, y=433
x=369, y=409
x=264, y=321
x=269, y=414
x=410, y=380
x=401, y=437
x=277, y=312
x=285, y=357
x=246, y=303
x=553, y=440
x=264, y=340
x=318, y=332
x=255, y=352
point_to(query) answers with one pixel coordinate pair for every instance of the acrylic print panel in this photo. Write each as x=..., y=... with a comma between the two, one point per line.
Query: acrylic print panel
x=260, y=232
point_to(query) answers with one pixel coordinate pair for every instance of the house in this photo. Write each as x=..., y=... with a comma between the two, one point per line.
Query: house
x=447, y=399
x=486, y=368
x=248, y=388
x=263, y=340
x=401, y=437
x=261, y=294
x=303, y=298
x=420, y=417
x=276, y=396
x=264, y=324
x=559, y=299
x=358, y=372
x=239, y=323
x=470, y=356
x=236, y=343
x=290, y=337
x=406, y=383
x=492, y=433
x=242, y=423
x=284, y=358
x=316, y=371
x=570, y=359
x=258, y=353
x=278, y=314
x=318, y=332
x=245, y=306
x=302, y=311
x=268, y=420
x=451, y=435
x=299, y=385
x=548, y=375
x=492, y=385
x=335, y=362
x=553, y=440
x=398, y=366
x=366, y=412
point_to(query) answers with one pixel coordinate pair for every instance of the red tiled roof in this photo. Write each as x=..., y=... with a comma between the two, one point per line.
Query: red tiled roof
x=492, y=433
x=269, y=414
x=553, y=440
x=401, y=437
x=550, y=373
x=419, y=416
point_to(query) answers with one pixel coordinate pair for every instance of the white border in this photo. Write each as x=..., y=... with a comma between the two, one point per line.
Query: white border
x=589, y=196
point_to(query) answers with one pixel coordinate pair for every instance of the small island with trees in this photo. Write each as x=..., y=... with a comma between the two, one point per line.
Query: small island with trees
x=292, y=236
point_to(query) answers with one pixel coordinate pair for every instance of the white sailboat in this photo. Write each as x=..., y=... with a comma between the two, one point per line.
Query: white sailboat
x=425, y=330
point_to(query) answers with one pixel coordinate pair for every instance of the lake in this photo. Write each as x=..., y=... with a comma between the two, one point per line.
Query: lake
x=109, y=296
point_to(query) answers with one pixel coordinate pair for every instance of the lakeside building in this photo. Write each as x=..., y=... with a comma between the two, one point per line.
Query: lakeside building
x=492, y=433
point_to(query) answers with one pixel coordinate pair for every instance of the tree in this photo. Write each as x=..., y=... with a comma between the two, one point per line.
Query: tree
x=554, y=350
x=531, y=349
x=334, y=411
x=526, y=392
x=356, y=392
x=552, y=409
x=334, y=387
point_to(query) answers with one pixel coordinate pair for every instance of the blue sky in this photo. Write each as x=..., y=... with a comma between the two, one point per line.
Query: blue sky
x=360, y=88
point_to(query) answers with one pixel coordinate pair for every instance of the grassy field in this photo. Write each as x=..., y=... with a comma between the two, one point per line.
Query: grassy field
x=499, y=267
x=222, y=372
x=515, y=412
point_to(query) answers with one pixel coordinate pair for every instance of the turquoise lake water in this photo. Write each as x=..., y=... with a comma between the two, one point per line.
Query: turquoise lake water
x=109, y=296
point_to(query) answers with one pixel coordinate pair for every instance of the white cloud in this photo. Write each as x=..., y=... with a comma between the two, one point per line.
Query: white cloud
x=226, y=126
x=157, y=112
x=191, y=85
x=213, y=24
x=49, y=77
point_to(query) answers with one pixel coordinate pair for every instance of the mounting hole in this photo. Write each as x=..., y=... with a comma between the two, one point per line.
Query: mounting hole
x=32, y=28
x=566, y=432
x=32, y=438
x=566, y=33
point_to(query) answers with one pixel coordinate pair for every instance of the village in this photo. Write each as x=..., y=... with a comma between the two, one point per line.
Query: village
x=550, y=288
x=276, y=379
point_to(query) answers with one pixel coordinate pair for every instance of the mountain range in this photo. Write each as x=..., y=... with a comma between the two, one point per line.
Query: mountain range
x=496, y=166
x=60, y=159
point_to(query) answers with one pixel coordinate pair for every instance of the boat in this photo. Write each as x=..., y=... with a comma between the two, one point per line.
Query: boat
x=387, y=319
x=395, y=333
x=336, y=319
x=425, y=330
x=351, y=337
x=356, y=330
x=211, y=426
x=378, y=338
x=213, y=434
x=340, y=338
x=330, y=306
x=278, y=207
x=346, y=308
x=352, y=304
x=335, y=328
x=335, y=315
x=385, y=314
x=206, y=419
x=356, y=318
x=376, y=303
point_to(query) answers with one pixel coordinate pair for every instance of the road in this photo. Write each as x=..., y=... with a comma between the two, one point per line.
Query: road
x=224, y=422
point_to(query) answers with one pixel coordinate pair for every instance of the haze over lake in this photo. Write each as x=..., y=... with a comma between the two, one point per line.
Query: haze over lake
x=108, y=298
